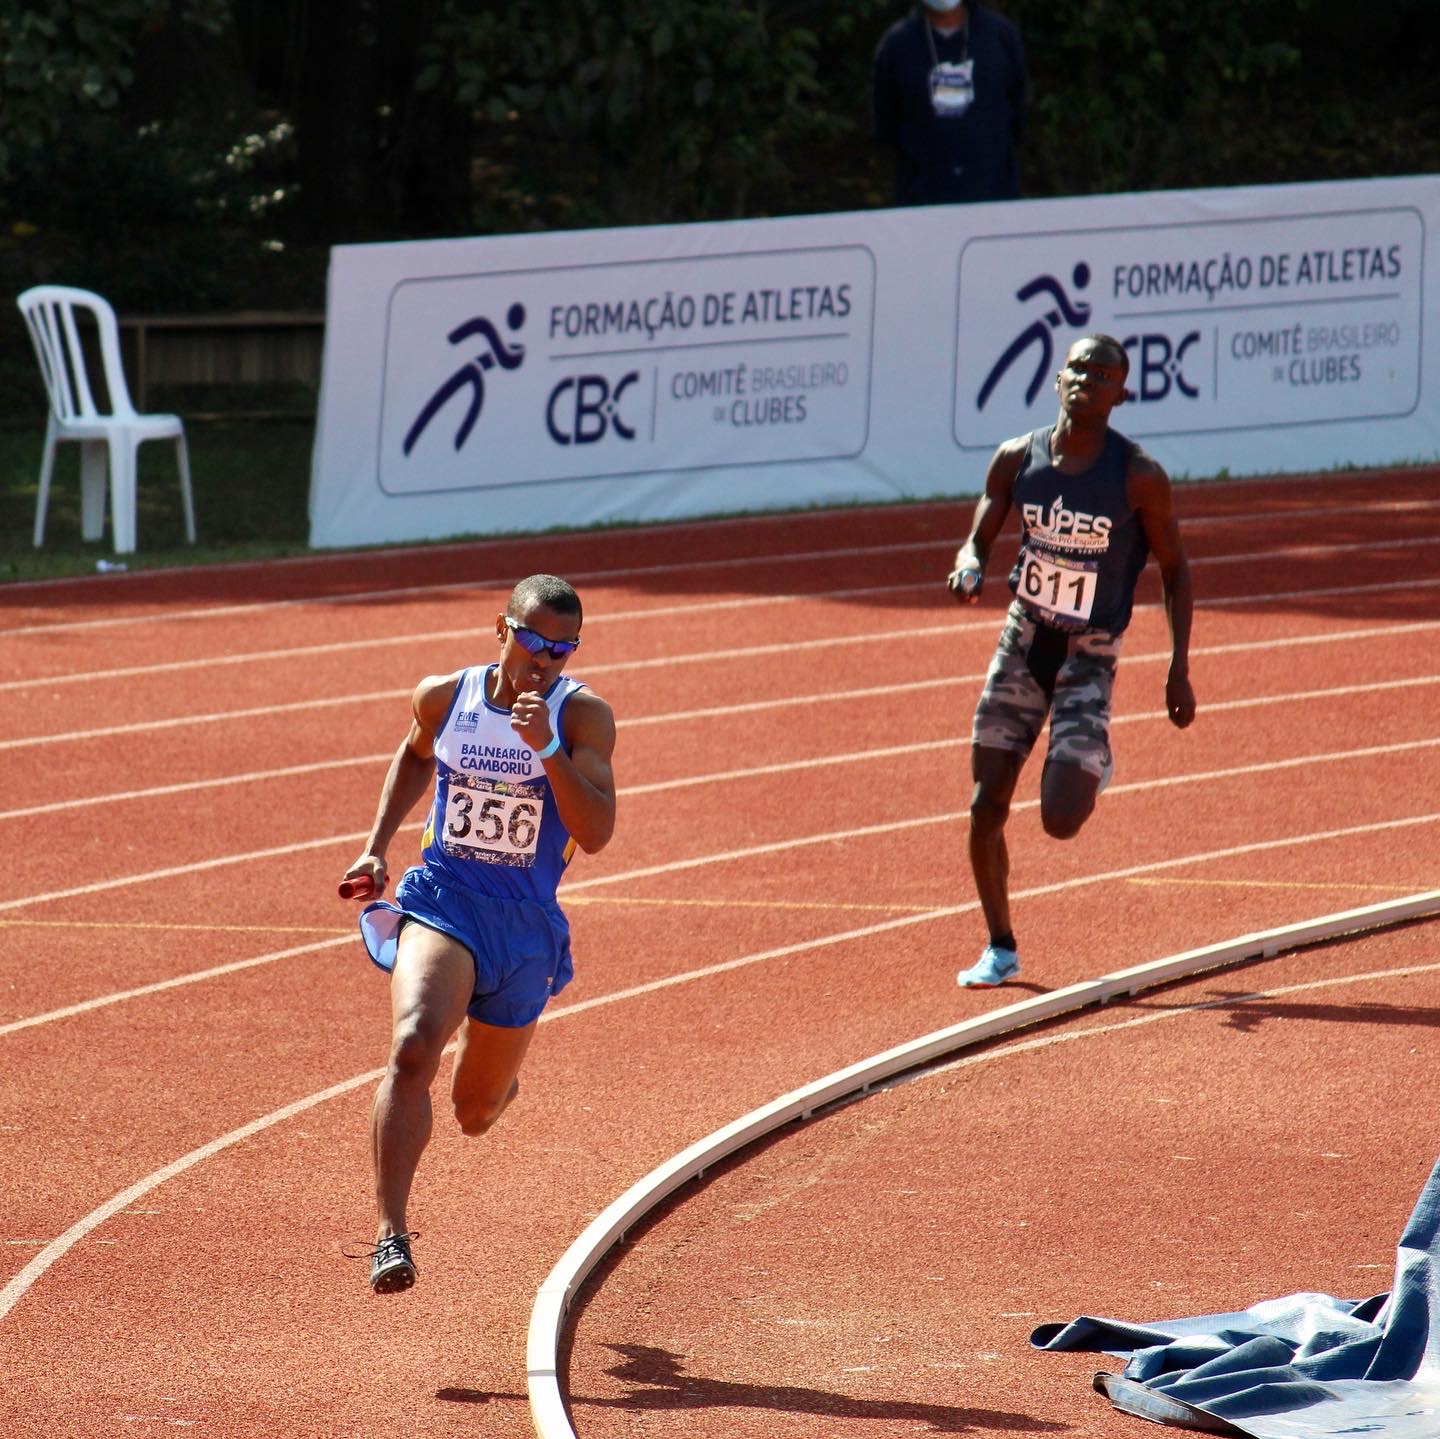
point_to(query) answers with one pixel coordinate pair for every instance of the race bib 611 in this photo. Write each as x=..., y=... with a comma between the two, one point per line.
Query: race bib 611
x=1060, y=587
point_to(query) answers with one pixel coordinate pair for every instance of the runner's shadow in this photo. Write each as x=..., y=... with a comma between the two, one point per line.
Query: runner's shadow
x=662, y=1384
x=1247, y=1015
x=454, y=1394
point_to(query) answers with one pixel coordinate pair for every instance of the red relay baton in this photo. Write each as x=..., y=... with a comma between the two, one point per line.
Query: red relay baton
x=361, y=887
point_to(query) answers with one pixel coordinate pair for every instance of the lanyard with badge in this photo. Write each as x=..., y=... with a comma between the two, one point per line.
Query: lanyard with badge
x=952, y=85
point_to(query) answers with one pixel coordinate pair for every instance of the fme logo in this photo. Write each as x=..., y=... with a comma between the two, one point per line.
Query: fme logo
x=471, y=374
x=1157, y=359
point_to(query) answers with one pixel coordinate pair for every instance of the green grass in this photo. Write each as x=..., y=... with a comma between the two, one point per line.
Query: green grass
x=251, y=478
x=251, y=482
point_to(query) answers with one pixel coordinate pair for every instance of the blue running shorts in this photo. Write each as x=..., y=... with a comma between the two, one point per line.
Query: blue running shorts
x=521, y=947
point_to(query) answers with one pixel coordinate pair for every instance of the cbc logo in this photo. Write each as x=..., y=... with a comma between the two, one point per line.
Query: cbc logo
x=585, y=408
x=1157, y=366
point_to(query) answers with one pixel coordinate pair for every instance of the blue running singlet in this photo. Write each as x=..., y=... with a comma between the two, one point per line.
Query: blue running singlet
x=494, y=826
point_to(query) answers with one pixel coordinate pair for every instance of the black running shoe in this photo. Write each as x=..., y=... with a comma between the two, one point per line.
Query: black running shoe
x=392, y=1267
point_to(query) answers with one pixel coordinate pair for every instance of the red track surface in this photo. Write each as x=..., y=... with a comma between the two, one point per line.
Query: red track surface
x=180, y=1168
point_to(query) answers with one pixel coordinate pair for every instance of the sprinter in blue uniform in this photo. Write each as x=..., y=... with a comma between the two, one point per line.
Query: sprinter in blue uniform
x=1093, y=507
x=520, y=757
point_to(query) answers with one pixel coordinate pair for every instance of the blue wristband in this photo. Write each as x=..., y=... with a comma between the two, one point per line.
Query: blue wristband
x=549, y=748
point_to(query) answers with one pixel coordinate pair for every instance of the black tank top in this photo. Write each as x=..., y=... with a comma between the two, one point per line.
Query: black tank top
x=1082, y=546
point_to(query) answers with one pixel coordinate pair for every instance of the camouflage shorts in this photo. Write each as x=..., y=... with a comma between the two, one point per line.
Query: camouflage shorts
x=1039, y=670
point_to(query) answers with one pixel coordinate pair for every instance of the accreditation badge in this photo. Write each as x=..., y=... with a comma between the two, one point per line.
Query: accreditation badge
x=952, y=88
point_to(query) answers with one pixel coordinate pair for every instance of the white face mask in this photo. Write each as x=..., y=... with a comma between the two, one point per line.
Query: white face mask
x=941, y=7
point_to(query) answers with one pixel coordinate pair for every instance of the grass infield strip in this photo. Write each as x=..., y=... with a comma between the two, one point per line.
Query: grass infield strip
x=552, y=1302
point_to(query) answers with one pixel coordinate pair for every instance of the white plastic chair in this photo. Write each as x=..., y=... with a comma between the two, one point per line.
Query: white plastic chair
x=114, y=436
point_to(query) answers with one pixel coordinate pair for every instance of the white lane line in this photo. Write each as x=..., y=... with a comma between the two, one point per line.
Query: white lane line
x=257, y=776
x=720, y=777
x=84, y=736
x=1328, y=591
x=865, y=756
x=1328, y=886
x=676, y=866
x=1157, y=656
x=200, y=866
x=801, y=947
x=103, y=1001
x=729, y=856
x=370, y=643
x=1320, y=550
x=889, y=1069
x=1267, y=766
x=358, y=836
x=487, y=587
x=340, y=646
x=1046, y=1041
x=57, y=1248
x=263, y=711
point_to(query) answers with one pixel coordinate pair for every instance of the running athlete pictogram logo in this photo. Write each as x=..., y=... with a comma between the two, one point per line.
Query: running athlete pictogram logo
x=471, y=374
x=1042, y=331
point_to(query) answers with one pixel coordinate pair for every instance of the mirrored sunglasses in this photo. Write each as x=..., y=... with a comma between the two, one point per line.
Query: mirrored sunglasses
x=537, y=644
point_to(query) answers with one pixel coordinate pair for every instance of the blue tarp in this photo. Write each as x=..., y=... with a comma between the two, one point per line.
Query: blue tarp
x=1303, y=1367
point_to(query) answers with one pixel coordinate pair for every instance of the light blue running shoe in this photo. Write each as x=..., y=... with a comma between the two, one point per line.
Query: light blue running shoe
x=994, y=966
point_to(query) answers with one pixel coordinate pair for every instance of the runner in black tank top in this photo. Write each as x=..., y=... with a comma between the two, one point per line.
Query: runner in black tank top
x=1082, y=544
x=1093, y=507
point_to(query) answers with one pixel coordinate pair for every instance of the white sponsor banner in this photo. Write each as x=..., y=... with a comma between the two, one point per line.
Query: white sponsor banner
x=1230, y=325
x=682, y=364
x=523, y=382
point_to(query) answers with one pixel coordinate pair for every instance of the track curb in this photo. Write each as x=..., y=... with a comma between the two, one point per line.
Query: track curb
x=548, y=1411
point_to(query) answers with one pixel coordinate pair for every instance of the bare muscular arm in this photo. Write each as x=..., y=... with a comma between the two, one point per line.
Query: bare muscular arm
x=582, y=781
x=409, y=776
x=1150, y=496
x=990, y=514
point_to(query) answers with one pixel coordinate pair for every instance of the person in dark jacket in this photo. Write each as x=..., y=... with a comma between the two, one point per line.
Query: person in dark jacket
x=950, y=93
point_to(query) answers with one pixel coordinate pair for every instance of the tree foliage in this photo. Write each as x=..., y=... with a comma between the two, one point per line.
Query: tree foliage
x=71, y=57
x=663, y=111
x=205, y=153
x=1140, y=94
x=1174, y=95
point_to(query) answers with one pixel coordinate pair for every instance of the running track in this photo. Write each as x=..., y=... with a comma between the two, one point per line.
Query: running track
x=191, y=1034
